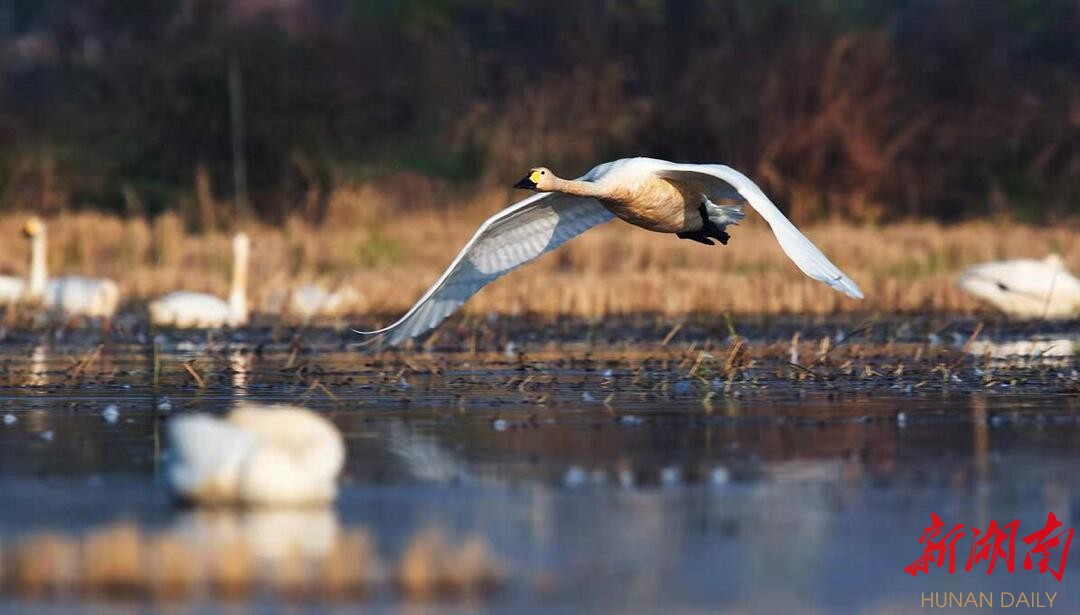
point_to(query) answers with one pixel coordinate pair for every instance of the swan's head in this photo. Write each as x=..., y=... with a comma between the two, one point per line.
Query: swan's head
x=33, y=227
x=540, y=179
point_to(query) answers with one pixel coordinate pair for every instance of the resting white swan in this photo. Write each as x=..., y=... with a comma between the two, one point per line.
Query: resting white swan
x=267, y=455
x=187, y=309
x=657, y=195
x=1025, y=288
x=11, y=289
x=311, y=300
x=73, y=295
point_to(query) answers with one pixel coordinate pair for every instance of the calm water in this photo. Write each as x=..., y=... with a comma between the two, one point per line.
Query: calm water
x=606, y=479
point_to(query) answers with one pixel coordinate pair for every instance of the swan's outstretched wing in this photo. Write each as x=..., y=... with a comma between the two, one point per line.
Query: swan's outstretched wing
x=798, y=248
x=512, y=237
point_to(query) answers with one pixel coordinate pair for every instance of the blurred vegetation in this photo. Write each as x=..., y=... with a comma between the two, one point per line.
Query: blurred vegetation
x=863, y=109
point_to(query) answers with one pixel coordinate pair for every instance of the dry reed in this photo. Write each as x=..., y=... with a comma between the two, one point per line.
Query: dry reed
x=392, y=256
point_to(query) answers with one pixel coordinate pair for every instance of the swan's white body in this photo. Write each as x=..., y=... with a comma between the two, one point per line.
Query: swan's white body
x=11, y=289
x=311, y=300
x=653, y=194
x=73, y=295
x=82, y=296
x=284, y=455
x=185, y=309
x=1025, y=288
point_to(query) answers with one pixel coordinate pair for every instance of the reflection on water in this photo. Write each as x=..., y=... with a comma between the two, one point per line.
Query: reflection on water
x=776, y=491
x=240, y=365
x=38, y=359
x=1052, y=350
x=424, y=458
x=272, y=535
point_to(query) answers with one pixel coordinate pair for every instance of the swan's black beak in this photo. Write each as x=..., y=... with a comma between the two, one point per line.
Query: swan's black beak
x=526, y=184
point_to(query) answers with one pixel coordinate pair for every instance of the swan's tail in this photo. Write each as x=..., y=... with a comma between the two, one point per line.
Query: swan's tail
x=723, y=215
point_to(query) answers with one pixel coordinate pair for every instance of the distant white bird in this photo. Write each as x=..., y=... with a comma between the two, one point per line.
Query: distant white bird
x=653, y=194
x=195, y=310
x=1025, y=288
x=11, y=289
x=73, y=295
x=311, y=300
x=266, y=455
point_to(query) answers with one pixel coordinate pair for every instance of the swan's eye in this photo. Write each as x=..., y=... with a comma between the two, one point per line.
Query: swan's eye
x=543, y=172
x=1002, y=287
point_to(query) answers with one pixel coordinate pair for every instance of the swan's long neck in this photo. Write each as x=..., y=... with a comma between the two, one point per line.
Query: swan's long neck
x=238, y=309
x=578, y=187
x=39, y=274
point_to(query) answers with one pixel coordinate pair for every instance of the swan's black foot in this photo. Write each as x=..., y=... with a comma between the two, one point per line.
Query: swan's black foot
x=709, y=230
x=698, y=236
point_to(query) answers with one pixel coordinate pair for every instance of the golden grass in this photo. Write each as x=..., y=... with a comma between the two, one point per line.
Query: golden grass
x=391, y=254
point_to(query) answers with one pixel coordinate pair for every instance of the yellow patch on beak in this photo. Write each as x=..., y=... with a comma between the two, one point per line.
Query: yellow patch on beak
x=32, y=227
x=534, y=177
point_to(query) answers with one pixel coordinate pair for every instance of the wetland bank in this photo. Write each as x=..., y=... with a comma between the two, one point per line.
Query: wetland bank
x=644, y=453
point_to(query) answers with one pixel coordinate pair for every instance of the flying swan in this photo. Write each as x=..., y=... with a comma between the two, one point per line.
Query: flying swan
x=185, y=309
x=653, y=194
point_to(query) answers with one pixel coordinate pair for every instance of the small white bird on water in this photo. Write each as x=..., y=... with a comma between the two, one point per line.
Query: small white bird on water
x=186, y=309
x=653, y=194
x=264, y=455
x=72, y=294
x=1026, y=288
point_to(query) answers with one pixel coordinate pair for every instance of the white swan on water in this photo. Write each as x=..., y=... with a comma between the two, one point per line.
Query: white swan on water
x=191, y=310
x=1025, y=288
x=267, y=455
x=310, y=300
x=11, y=289
x=73, y=295
x=656, y=195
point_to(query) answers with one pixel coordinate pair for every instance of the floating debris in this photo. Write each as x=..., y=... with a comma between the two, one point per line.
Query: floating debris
x=575, y=477
x=670, y=476
x=719, y=476
x=111, y=413
x=10, y=419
